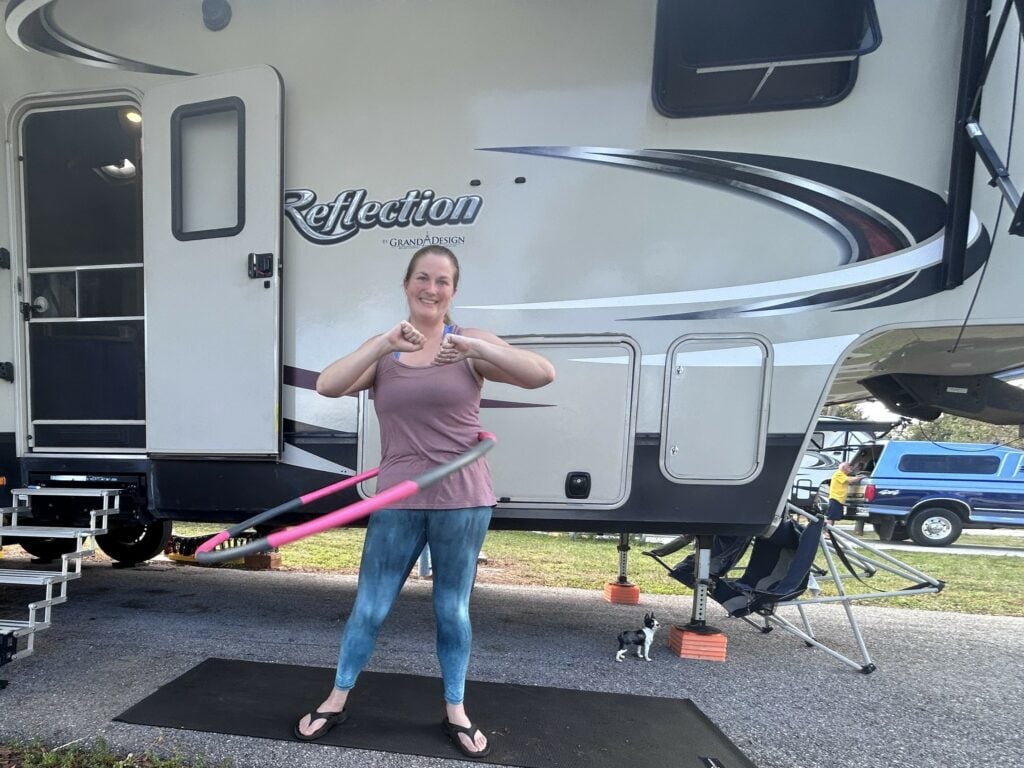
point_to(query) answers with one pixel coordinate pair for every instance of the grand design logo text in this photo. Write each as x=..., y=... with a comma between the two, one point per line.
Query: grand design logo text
x=350, y=213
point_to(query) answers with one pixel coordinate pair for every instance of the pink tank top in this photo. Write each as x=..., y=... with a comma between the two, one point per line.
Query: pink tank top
x=429, y=415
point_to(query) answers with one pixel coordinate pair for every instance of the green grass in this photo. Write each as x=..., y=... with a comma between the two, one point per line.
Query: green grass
x=1010, y=542
x=81, y=755
x=986, y=585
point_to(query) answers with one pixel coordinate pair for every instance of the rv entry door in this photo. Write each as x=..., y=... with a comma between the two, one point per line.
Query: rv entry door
x=212, y=199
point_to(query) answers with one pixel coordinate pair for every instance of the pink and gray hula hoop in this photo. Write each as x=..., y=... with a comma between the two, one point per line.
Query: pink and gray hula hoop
x=206, y=555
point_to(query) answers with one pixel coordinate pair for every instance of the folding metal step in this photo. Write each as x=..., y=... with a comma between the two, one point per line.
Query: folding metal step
x=8, y=647
x=48, y=531
x=44, y=490
x=24, y=576
x=18, y=628
x=10, y=525
x=17, y=637
x=39, y=611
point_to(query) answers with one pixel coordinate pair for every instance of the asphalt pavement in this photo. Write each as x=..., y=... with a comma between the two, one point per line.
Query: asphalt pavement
x=948, y=690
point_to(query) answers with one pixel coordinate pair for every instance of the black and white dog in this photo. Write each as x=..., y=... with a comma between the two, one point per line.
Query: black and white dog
x=641, y=638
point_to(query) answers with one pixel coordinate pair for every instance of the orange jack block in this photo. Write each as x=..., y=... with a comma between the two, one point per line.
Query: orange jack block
x=689, y=644
x=264, y=561
x=623, y=594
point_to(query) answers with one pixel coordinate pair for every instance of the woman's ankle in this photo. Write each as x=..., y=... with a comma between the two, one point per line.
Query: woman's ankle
x=456, y=713
x=335, y=701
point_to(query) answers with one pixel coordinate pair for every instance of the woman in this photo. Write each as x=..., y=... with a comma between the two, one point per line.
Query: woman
x=426, y=374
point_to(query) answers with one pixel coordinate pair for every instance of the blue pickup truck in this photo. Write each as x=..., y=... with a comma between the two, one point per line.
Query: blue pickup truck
x=931, y=492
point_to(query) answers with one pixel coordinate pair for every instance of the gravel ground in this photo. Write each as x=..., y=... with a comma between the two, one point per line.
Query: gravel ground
x=948, y=691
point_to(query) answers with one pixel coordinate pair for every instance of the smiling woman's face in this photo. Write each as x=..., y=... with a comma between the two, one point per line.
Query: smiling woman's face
x=430, y=287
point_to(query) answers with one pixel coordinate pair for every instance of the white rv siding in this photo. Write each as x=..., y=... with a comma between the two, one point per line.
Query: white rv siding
x=570, y=202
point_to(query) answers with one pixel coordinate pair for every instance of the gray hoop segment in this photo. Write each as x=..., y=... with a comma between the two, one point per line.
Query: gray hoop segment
x=354, y=511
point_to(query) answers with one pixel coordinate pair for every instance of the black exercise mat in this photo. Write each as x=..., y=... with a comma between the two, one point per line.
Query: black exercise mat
x=529, y=726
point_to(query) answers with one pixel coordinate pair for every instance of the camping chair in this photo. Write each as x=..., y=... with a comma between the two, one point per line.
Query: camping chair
x=782, y=573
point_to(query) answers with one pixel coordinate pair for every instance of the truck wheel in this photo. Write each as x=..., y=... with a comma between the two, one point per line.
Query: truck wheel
x=136, y=543
x=47, y=549
x=935, y=527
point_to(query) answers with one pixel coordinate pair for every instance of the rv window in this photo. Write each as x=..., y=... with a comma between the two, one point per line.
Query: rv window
x=106, y=406
x=110, y=293
x=734, y=56
x=84, y=292
x=950, y=465
x=75, y=214
x=208, y=169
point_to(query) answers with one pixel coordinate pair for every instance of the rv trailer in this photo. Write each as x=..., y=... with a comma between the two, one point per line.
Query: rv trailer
x=714, y=218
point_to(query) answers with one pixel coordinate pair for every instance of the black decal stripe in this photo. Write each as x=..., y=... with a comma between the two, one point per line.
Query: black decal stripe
x=870, y=229
x=300, y=377
x=34, y=26
x=929, y=281
x=485, y=403
x=847, y=295
x=920, y=210
x=876, y=215
x=872, y=236
x=293, y=428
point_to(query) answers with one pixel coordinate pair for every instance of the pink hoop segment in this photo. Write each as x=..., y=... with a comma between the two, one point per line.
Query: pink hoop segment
x=345, y=515
x=339, y=486
x=288, y=506
x=338, y=517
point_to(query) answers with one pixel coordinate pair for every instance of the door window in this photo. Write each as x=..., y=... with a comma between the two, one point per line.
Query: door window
x=208, y=169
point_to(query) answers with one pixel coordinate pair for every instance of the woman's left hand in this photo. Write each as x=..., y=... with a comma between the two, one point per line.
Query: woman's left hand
x=494, y=359
x=454, y=348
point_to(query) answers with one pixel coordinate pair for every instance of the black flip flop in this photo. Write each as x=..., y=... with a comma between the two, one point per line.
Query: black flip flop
x=331, y=719
x=452, y=731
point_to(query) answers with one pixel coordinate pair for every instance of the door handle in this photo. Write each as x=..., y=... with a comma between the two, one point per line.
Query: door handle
x=261, y=265
x=40, y=304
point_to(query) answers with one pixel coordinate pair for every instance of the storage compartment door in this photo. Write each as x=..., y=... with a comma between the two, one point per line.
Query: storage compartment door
x=715, y=409
x=212, y=200
x=569, y=443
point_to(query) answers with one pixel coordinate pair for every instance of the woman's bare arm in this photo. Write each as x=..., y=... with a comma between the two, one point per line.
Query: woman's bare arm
x=495, y=359
x=356, y=371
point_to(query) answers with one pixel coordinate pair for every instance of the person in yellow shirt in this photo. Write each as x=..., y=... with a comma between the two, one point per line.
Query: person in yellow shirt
x=839, y=488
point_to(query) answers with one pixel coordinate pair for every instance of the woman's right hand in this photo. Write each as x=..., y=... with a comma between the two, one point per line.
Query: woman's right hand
x=356, y=371
x=405, y=338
